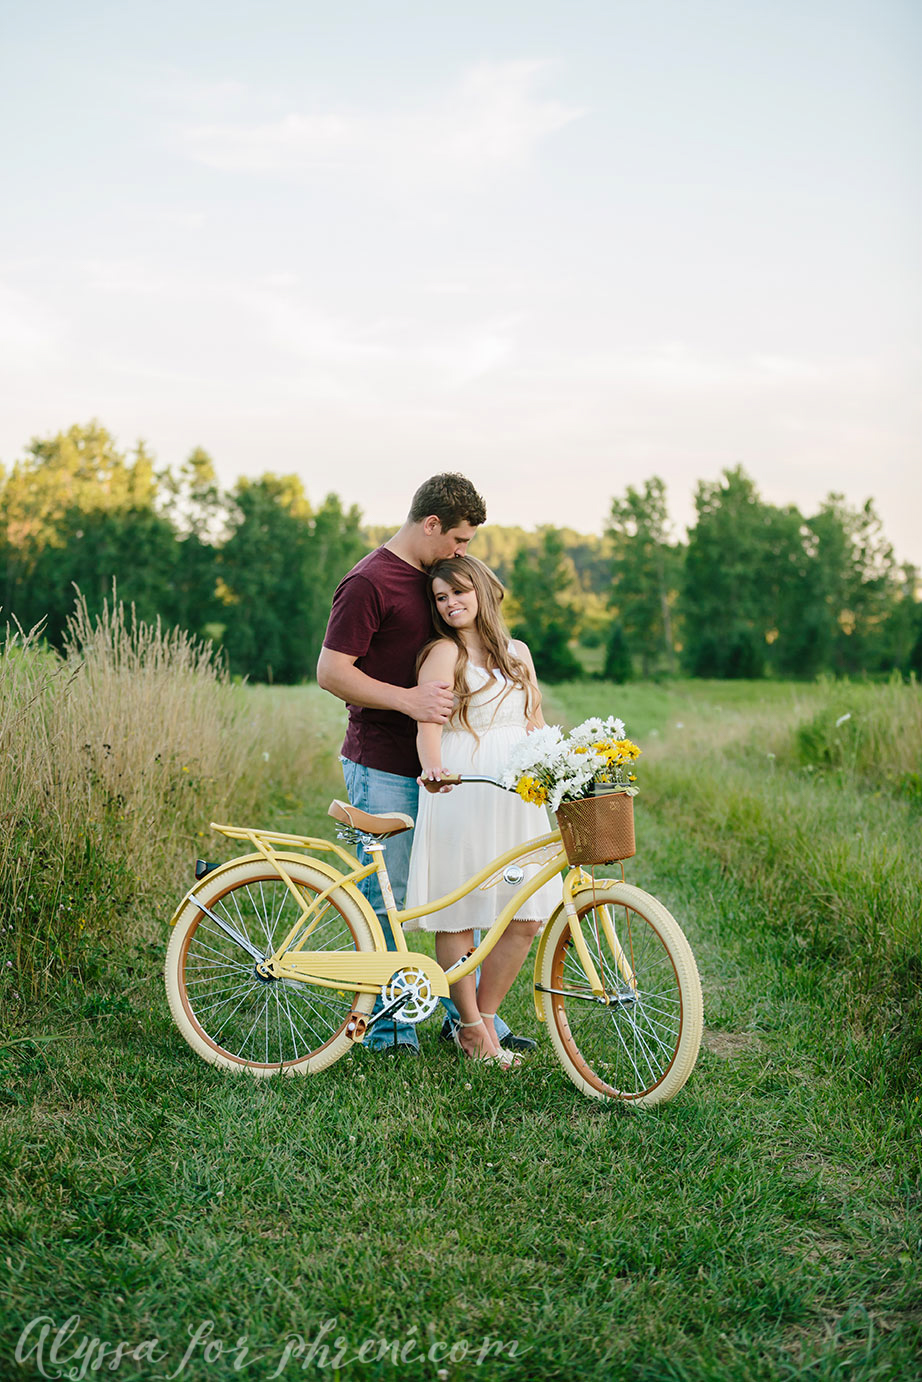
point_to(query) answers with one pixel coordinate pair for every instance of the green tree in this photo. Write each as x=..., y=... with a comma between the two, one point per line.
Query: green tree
x=860, y=583
x=200, y=516
x=133, y=550
x=722, y=599
x=277, y=574
x=646, y=569
x=545, y=616
x=262, y=587
x=914, y=661
x=335, y=543
x=766, y=588
x=903, y=622
x=618, y=665
x=498, y=546
x=790, y=616
x=76, y=510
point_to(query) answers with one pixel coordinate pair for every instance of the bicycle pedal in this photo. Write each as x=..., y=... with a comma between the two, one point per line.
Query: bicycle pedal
x=356, y=1026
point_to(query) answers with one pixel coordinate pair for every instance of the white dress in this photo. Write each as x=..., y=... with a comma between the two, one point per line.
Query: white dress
x=458, y=832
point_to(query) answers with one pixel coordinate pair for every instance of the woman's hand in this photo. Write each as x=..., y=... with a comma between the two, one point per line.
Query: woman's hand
x=432, y=774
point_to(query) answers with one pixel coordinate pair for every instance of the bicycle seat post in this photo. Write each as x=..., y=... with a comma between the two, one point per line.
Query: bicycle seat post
x=375, y=845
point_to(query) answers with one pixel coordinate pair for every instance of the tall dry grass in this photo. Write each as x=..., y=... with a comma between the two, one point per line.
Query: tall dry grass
x=113, y=758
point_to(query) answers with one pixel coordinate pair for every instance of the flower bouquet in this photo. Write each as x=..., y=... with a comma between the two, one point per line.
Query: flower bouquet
x=585, y=777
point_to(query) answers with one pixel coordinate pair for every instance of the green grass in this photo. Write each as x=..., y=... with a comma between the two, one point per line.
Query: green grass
x=800, y=794
x=764, y=1225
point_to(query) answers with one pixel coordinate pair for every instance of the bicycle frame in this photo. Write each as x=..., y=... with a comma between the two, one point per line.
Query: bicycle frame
x=615, y=981
x=290, y=960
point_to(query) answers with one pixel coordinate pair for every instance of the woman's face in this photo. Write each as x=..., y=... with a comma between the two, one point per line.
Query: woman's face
x=456, y=605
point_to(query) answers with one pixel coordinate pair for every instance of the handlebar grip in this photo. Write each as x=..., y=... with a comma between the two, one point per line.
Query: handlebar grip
x=446, y=780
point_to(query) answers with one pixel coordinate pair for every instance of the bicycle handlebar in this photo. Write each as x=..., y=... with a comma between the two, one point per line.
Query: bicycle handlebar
x=456, y=780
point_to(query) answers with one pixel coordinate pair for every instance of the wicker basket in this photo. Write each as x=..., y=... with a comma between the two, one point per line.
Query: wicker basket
x=598, y=830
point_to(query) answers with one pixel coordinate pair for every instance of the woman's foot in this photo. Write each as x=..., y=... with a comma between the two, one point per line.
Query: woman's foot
x=477, y=1041
x=506, y=1057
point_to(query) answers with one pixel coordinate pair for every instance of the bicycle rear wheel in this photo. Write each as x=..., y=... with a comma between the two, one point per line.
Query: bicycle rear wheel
x=224, y=1009
x=639, y=1044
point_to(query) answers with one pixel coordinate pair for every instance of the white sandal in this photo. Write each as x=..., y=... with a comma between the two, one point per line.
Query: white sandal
x=505, y=1059
x=508, y=1058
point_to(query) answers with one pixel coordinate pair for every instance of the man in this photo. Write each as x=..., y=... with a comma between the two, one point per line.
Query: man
x=379, y=621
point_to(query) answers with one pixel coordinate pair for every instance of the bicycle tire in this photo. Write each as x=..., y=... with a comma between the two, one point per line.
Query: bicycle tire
x=641, y=1045
x=229, y=1015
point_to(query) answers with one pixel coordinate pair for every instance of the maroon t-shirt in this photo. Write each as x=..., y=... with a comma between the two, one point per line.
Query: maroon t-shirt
x=381, y=617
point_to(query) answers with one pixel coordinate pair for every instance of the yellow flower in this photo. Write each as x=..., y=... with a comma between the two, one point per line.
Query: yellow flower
x=529, y=789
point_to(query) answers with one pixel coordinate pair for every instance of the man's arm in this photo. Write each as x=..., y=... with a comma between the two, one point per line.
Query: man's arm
x=338, y=674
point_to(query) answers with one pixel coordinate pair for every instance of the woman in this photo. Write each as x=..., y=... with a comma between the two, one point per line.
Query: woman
x=497, y=702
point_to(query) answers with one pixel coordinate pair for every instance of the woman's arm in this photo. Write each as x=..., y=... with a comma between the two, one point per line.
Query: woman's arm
x=437, y=666
x=536, y=717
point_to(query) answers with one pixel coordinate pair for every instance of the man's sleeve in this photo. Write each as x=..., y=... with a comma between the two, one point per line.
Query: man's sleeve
x=355, y=617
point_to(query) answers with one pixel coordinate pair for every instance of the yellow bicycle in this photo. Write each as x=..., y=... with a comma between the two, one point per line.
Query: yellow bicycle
x=276, y=960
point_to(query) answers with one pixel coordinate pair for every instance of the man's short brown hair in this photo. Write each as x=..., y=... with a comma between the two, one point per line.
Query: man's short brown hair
x=452, y=499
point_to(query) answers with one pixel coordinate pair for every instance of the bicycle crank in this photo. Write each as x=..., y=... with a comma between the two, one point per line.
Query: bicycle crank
x=415, y=988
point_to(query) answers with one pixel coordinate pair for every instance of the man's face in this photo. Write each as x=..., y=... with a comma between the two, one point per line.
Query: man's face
x=451, y=543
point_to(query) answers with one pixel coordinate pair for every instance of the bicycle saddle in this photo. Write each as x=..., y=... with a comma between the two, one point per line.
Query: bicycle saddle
x=394, y=824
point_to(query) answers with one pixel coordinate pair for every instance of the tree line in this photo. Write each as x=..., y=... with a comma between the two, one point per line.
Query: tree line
x=755, y=589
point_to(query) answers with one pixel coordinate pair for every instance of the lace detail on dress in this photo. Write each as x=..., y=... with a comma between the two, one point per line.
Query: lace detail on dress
x=489, y=708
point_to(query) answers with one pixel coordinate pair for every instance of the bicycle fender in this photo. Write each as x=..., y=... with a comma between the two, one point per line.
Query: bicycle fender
x=539, y=961
x=327, y=870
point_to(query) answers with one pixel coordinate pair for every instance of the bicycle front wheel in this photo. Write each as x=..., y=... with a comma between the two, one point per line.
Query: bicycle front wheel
x=640, y=1042
x=226, y=1011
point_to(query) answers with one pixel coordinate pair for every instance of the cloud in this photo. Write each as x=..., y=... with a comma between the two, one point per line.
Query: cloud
x=387, y=357
x=677, y=369
x=482, y=350
x=294, y=142
x=491, y=119
x=31, y=333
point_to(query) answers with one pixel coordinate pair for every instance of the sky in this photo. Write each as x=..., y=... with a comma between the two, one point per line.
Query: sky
x=561, y=247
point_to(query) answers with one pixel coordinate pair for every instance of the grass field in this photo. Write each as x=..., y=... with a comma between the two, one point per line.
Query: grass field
x=764, y=1225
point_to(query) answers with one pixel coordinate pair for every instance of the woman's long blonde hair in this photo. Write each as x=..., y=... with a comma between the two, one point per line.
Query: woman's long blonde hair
x=467, y=573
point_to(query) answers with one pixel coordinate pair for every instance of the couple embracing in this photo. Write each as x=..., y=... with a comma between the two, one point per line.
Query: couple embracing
x=417, y=648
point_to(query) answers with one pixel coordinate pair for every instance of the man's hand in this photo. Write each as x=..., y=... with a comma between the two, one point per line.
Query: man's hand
x=432, y=702
x=338, y=674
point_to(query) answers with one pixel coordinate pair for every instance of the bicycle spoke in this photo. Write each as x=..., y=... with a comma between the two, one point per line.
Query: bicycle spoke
x=269, y=1022
x=639, y=1078
x=255, y=1023
x=270, y=928
x=624, y=1047
x=305, y=1016
x=243, y=924
x=218, y=998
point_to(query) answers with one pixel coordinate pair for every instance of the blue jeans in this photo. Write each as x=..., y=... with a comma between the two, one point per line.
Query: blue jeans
x=371, y=789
